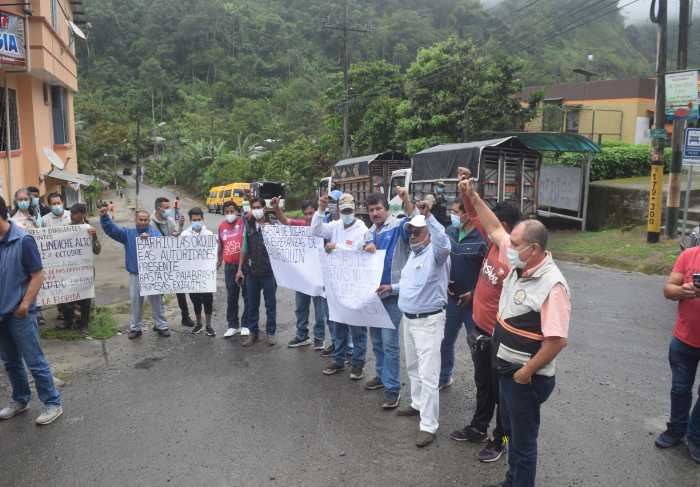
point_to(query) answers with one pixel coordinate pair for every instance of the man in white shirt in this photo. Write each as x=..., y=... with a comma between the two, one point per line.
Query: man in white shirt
x=347, y=233
x=59, y=215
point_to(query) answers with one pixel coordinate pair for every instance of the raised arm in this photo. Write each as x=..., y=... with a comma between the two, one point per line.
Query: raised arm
x=318, y=227
x=438, y=237
x=113, y=231
x=488, y=219
x=281, y=217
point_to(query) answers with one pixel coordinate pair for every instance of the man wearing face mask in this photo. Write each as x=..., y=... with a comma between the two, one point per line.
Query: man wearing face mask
x=231, y=234
x=531, y=329
x=468, y=251
x=259, y=276
x=127, y=237
x=422, y=292
x=200, y=300
x=59, y=216
x=164, y=221
x=24, y=215
x=348, y=233
x=41, y=208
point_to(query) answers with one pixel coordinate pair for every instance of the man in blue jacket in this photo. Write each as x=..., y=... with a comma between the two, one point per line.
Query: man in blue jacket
x=468, y=252
x=388, y=233
x=128, y=237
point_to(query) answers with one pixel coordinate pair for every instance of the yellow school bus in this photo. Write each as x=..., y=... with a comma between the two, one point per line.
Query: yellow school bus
x=235, y=192
x=215, y=199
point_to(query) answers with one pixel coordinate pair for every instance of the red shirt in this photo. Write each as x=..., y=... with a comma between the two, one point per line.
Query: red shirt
x=297, y=222
x=487, y=293
x=231, y=240
x=688, y=323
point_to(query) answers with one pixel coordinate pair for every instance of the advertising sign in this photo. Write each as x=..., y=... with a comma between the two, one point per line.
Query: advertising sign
x=682, y=96
x=13, y=45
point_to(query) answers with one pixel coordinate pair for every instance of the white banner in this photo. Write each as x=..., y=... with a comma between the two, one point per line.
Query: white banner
x=66, y=254
x=170, y=265
x=560, y=187
x=295, y=258
x=351, y=278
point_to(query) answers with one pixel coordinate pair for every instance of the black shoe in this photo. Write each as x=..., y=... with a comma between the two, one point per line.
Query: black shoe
x=408, y=411
x=163, y=333
x=133, y=334
x=197, y=329
x=357, y=373
x=374, y=384
x=297, y=343
x=470, y=434
x=493, y=451
x=328, y=351
x=318, y=345
x=424, y=439
x=667, y=439
x=391, y=399
x=210, y=331
x=250, y=340
x=333, y=368
x=187, y=322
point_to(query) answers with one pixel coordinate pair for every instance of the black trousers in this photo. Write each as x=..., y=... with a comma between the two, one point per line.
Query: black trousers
x=182, y=303
x=69, y=313
x=202, y=300
x=486, y=380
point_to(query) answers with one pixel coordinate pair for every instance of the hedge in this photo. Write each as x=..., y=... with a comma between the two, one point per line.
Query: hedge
x=617, y=160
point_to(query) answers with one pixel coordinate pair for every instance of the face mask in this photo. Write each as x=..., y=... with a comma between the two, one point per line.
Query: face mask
x=35, y=201
x=231, y=217
x=23, y=205
x=439, y=189
x=169, y=213
x=417, y=248
x=197, y=226
x=347, y=219
x=57, y=209
x=514, y=258
x=246, y=207
x=258, y=213
x=456, y=221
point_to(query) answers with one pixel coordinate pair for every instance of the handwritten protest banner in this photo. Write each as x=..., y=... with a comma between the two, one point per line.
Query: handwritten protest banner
x=177, y=264
x=351, y=279
x=66, y=254
x=295, y=258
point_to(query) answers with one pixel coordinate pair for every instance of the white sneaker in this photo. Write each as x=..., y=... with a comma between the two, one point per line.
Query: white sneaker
x=232, y=332
x=245, y=331
x=49, y=414
x=13, y=409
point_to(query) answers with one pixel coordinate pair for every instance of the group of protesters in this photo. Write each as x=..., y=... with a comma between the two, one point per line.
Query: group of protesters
x=488, y=272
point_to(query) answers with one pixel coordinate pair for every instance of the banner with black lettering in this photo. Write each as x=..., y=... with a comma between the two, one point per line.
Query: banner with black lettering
x=294, y=256
x=66, y=254
x=170, y=265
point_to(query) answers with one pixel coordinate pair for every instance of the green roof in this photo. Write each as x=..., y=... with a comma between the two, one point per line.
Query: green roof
x=552, y=141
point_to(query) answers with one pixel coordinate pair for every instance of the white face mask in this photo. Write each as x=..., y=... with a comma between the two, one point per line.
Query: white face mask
x=231, y=217
x=347, y=219
x=514, y=258
x=258, y=213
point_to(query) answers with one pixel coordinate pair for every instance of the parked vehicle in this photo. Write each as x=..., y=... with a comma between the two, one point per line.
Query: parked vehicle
x=215, y=199
x=363, y=175
x=235, y=192
x=268, y=190
x=507, y=170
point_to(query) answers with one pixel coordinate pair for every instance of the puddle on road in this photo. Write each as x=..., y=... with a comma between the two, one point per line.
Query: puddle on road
x=147, y=363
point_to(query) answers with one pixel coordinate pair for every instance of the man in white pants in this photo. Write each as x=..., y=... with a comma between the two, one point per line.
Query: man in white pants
x=422, y=293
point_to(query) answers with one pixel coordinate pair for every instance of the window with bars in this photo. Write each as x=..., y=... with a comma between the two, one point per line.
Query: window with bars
x=59, y=111
x=54, y=14
x=14, y=123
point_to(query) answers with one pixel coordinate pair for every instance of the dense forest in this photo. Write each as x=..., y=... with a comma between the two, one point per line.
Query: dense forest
x=242, y=89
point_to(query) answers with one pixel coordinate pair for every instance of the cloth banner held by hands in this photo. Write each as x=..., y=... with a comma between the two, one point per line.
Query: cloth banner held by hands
x=351, y=280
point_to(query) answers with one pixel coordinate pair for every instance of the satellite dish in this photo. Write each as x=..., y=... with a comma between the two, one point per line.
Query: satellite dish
x=54, y=159
x=77, y=30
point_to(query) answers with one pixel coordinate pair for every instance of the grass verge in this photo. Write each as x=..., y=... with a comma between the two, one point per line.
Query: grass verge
x=624, y=249
x=102, y=326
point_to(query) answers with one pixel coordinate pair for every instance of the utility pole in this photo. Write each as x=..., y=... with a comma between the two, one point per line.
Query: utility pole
x=657, y=154
x=346, y=28
x=138, y=163
x=673, y=202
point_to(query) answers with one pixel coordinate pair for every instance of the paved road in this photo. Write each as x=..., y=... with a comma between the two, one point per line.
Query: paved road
x=191, y=411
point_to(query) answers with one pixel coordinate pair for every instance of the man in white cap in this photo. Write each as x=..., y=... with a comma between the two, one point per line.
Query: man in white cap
x=422, y=292
x=348, y=233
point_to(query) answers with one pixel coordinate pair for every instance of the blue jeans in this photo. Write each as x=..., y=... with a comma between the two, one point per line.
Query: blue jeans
x=385, y=344
x=303, y=303
x=347, y=336
x=520, y=409
x=19, y=345
x=268, y=286
x=684, y=361
x=232, y=292
x=156, y=303
x=455, y=318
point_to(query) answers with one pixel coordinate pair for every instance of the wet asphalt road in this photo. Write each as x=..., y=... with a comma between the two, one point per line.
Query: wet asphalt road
x=197, y=411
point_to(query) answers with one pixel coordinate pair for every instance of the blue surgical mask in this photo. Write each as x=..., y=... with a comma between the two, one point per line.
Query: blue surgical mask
x=439, y=189
x=169, y=213
x=514, y=259
x=418, y=247
x=197, y=226
x=35, y=202
x=57, y=209
x=347, y=218
x=23, y=205
x=456, y=220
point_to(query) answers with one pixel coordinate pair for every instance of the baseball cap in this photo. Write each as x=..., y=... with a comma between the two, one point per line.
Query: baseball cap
x=417, y=221
x=346, y=202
